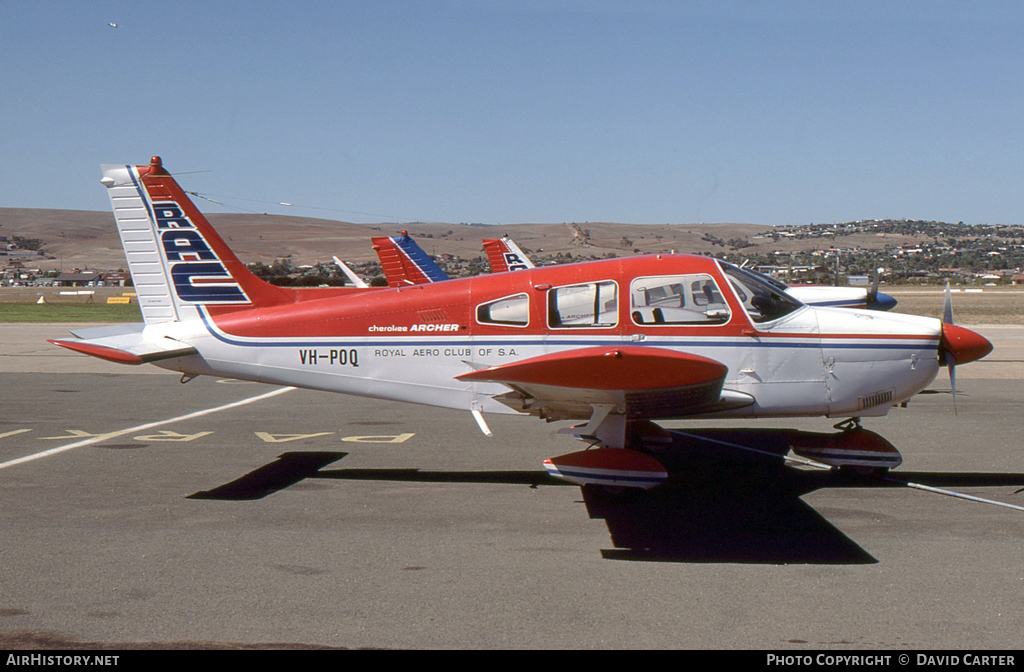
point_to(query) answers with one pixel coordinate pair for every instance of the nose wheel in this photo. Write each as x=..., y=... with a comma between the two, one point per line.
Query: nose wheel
x=852, y=451
x=858, y=470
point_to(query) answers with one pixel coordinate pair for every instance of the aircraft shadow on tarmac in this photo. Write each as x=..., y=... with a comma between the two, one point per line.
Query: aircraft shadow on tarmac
x=719, y=505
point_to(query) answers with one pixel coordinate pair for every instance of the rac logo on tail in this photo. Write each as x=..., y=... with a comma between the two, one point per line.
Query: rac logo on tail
x=514, y=262
x=196, y=272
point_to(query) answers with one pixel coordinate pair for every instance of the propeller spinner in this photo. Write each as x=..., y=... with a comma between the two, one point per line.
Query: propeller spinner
x=958, y=345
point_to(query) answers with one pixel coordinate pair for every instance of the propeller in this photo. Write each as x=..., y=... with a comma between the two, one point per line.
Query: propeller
x=875, y=299
x=947, y=306
x=958, y=345
x=947, y=318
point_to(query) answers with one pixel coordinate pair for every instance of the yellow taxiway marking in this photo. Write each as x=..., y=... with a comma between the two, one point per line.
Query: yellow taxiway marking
x=171, y=435
x=285, y=438
x=384, y=438
x=72, y=434
x=141, y=428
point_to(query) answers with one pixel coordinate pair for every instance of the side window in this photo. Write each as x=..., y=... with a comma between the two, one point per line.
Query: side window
x=594, y=304
x=677, y=299
x=511, y=311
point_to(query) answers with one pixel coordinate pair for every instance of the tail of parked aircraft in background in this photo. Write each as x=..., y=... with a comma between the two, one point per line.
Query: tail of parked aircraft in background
x=177, y=261
x=405, y=263
x=505, y=255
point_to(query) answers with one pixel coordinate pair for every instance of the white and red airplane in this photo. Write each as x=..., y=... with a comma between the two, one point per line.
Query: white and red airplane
x=616, y=343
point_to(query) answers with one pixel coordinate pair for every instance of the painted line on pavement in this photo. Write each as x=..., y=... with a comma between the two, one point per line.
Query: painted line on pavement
x=149, y=425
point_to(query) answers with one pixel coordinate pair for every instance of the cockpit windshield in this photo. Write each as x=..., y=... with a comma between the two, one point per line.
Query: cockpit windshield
x=778, y=284
x=764, y=302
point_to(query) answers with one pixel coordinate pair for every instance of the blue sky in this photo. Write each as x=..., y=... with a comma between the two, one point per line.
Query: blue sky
x=529, y=111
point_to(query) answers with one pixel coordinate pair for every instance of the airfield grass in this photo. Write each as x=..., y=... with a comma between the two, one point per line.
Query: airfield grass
x=20, y=304
x=65, y=312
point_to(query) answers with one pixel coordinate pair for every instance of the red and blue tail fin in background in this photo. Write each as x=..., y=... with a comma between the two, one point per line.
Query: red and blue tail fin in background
x=405, y=262
x=177, y=261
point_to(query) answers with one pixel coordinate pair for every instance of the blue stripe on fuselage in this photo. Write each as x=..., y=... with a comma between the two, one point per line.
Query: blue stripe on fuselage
x=555, y=341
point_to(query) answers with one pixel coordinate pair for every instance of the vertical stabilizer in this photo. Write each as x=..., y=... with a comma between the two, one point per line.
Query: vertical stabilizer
x=405, y=262
x=505, y=255
x=177, y=261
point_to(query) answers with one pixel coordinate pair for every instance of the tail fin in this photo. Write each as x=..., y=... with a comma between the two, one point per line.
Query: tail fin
x=177, y=261
x=405, y=262
x=352, y=277
x=505, y=255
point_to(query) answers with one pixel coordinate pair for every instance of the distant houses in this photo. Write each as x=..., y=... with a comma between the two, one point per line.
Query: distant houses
x=17, y=274
x=77, y=280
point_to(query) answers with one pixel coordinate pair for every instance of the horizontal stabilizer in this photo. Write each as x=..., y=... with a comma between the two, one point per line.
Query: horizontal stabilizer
x=125, y=345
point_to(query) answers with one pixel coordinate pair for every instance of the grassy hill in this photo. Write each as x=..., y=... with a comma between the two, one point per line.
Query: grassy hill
x=87, y=239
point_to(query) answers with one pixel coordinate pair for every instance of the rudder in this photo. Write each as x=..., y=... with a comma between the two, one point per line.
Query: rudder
x=405, y=262
x=177, y=261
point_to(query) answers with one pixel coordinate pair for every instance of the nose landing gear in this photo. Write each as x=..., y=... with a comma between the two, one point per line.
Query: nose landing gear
x=853, y=450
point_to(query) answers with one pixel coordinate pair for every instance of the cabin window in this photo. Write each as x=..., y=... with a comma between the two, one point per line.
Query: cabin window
x=513, y=311
x=764, y=302
x=677, y=299
x=590, y=305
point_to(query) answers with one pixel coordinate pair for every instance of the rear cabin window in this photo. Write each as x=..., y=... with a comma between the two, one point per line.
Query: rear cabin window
x=512, y=311
x=586, y=306
x=677, y=299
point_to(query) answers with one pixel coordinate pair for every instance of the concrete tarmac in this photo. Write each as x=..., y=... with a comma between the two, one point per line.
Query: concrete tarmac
x=134, y=515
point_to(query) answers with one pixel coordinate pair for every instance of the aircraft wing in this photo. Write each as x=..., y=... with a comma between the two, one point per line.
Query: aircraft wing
x=637, y=382
x=842, y=297
x=124, y=344
x=405, y=263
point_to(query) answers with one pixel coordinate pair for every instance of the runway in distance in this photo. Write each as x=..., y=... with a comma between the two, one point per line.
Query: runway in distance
x=617, y=344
